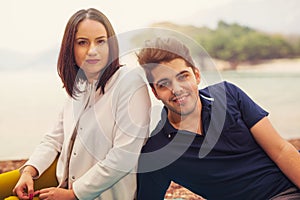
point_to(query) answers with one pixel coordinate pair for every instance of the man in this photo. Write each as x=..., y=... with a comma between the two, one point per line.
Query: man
x=216, y=142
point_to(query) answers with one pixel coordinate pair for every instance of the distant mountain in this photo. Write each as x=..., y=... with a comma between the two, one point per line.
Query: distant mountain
x=13, y=60
x=272, y=16
x=45, y=60
x=10, y=60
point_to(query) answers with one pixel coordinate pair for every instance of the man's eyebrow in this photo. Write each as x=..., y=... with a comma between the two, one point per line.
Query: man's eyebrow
x=182, y=72
x=161, y=80
x=179, y=74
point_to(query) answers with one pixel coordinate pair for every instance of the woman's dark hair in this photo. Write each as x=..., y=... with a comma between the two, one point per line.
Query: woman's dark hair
x=67, y=68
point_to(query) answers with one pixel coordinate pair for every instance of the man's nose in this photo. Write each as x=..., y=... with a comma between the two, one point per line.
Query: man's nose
x=176, y=88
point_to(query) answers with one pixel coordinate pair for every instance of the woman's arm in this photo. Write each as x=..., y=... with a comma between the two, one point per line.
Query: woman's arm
x=284, y=154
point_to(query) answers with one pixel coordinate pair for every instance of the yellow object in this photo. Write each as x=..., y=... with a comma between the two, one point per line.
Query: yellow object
x=8, y=181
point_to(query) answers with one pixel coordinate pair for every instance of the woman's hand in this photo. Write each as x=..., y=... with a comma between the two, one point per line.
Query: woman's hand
x=24, y=188
x=57, y=194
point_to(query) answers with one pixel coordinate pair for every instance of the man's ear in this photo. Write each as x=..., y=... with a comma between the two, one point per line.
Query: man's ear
x=197, y=75
x=154, y=92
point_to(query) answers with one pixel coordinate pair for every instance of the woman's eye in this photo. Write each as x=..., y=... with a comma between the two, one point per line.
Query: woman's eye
x=82, y=43
x=101, y=42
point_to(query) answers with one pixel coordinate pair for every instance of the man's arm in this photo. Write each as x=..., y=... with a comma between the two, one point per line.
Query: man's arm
x=284, y=154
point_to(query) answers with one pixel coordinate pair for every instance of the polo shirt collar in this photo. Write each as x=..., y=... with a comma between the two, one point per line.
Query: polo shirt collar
x=166, y=127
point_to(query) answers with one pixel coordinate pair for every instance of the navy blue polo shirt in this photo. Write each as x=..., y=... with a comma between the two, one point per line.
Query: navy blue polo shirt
x=225, y=162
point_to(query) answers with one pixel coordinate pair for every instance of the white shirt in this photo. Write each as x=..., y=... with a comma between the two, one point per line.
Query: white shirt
x=111, y=130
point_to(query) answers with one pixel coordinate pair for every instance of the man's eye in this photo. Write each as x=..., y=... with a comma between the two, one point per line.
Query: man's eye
x=183, y=77
x=163, y=85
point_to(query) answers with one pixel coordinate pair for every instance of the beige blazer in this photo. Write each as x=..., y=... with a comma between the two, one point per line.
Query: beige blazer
x=111, y=130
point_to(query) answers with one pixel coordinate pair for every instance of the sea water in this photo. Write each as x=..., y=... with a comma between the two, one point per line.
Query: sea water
x=31, y=100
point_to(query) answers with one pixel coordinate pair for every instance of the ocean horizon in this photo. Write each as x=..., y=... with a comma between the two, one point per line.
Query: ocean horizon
x=31, y=101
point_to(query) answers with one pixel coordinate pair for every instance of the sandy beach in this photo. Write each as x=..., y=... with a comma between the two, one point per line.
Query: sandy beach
x=274, y=66
x=277, y=65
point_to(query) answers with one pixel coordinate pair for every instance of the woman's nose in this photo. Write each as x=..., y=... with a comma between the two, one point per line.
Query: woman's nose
x=92, y=50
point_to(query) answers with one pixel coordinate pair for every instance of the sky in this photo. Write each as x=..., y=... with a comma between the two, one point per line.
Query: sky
x=32, y=26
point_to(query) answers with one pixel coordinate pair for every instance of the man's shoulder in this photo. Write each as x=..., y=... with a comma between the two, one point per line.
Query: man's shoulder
x=219, y=85
x=219, y=88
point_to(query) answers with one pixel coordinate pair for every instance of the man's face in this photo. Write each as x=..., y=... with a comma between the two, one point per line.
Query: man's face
x=176, y=85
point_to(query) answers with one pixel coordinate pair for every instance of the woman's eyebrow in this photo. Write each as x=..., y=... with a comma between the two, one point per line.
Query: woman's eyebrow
x=85, y=38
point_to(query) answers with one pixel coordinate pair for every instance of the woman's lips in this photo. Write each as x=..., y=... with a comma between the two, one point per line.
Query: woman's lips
x=92, y=61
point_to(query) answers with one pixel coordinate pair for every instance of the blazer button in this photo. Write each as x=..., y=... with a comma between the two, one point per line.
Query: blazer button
x=73, y=177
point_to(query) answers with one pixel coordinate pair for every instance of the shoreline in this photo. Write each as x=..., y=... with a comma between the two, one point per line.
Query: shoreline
x=283, y=65
x=36, y=126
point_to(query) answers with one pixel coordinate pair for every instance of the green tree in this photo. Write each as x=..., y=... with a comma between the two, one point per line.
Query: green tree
x=236, y=44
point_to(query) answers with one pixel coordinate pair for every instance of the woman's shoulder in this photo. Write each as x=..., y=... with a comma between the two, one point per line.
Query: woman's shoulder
x=126, y=79
x=131, y=75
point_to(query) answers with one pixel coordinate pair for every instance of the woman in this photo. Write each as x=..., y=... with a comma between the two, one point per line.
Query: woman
x=102, y=127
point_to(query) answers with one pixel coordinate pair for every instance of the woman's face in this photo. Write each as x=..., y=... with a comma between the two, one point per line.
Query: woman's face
x=91, y=48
